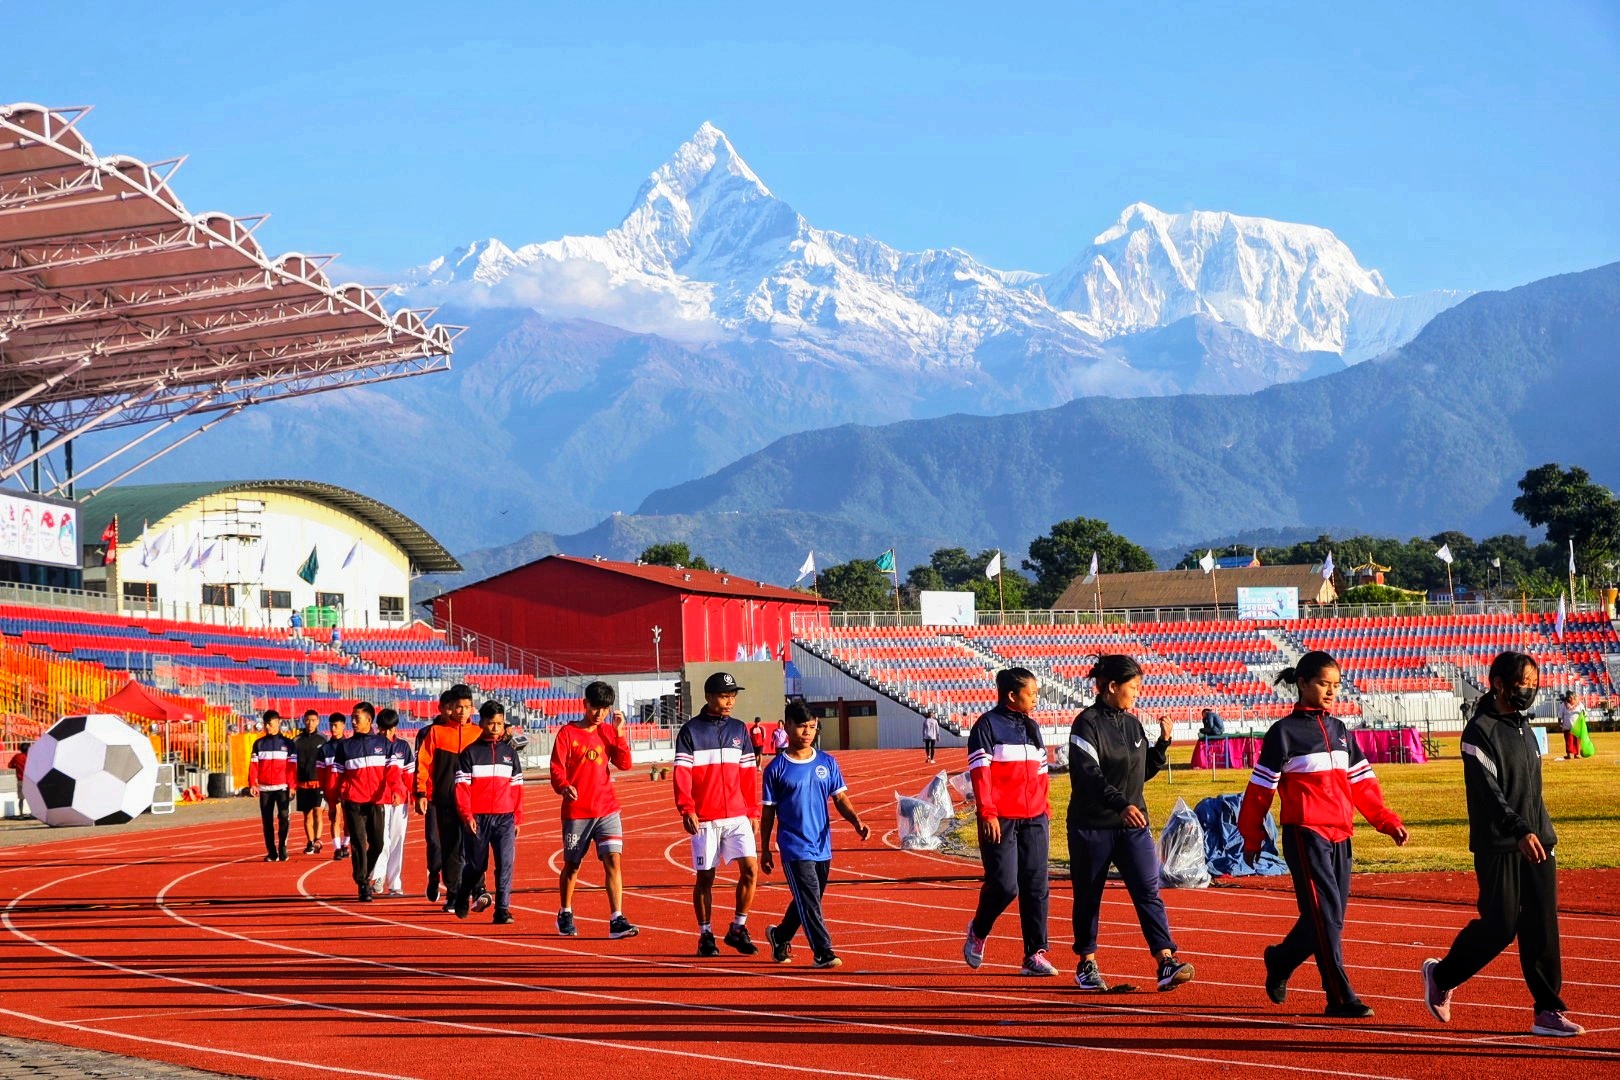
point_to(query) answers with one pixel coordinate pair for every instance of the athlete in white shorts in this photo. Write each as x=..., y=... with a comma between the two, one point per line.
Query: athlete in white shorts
x=723, y=841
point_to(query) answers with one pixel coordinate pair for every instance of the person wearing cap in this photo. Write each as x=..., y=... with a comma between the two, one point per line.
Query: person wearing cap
x=387, y=877
x=717, y=796
x=272, y=764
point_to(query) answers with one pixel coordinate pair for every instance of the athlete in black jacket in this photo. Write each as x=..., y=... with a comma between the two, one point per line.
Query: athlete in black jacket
x=1512, y=839
x=1110, y=759
x=308, y=744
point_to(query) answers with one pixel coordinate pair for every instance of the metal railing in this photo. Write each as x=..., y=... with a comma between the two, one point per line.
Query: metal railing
x=807, y=624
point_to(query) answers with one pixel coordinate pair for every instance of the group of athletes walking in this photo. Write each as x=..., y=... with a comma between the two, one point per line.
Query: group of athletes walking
x=465, y=780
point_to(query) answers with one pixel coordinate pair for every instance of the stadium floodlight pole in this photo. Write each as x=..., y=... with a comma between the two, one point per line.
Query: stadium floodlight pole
x=68, y=436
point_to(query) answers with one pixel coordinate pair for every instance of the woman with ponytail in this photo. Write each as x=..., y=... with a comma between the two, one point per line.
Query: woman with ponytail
x=1310, y=759
x=1512, y=839
x=1110, y=759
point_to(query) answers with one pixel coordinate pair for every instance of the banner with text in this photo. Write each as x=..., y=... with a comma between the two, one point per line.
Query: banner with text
x=947, y=609
x=1268, y=603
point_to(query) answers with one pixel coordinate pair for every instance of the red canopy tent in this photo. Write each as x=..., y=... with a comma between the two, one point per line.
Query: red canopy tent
x=137, y=700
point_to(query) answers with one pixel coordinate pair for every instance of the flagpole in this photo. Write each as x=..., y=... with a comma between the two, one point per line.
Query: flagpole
x=1572, y=603
x=1001, y=600
x=894, y=566
x=1450, y=591
x=1216, y=589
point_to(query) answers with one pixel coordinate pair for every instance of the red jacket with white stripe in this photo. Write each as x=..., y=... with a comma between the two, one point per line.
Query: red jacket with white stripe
x=1007, y=763
x=273, y=764
x=489, y=780
x=327, y=774
x=714, y=769
x=1314, y=763
x=362, y=763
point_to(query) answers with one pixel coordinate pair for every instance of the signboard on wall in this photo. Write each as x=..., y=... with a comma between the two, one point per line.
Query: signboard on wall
x=948, y=609
x=1268, y=603
x=36, y=531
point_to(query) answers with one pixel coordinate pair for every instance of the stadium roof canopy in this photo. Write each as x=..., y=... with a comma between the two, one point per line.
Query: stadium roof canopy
x=119, y=307
x=151, y=503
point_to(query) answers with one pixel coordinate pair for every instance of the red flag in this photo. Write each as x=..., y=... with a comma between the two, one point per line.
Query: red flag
x=109, y=536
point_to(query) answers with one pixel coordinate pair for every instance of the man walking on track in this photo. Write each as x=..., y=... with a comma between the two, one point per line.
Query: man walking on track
x=1007, y=763
x=387, y=877
x=363, y=761
x=756, y=735
x=271, y=768
x=308, y=743
x=580, y=759
x=441, y=744
x=330, y=781
x=717, y=795
x=489, y=807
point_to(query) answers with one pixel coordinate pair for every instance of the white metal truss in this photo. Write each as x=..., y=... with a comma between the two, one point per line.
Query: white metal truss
x=121, y=308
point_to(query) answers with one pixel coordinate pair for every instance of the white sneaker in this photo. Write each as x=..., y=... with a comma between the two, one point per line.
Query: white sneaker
x=1037, y=964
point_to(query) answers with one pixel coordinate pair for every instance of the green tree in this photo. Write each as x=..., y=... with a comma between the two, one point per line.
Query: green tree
x=1573, y=508
x=1065, y=554
x=858, y=585
x=677, y=554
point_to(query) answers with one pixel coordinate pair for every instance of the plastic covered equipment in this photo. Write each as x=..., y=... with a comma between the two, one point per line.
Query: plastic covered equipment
x=924, y=820
x=1181, y=851
x=1223, y=845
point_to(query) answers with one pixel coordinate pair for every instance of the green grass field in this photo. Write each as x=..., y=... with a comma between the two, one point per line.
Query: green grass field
x=1583, y=797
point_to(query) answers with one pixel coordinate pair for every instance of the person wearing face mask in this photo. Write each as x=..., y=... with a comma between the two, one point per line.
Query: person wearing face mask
x=1512, y=839
x=1309, y=758
x=1110, y=758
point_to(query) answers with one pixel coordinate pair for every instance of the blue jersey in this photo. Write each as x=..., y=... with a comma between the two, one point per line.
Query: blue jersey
x=799, y=791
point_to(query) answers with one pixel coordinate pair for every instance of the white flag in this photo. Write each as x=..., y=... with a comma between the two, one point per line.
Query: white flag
x=994, y=566
x=1558, y=621
x=808, y=568
x=1496, y=563
x=151, y=549
x=1327, y=567
x=1207, y=563
x=354, y=553
x=205, y=556
x=1444, y=554
x=186, y=557
x=1572, y=555
x=742, y=652
x=1091, y=572
x=264, y=558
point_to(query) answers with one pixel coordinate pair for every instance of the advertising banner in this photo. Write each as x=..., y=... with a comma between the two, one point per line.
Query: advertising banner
x=1268, y=603
x=948, y=609
x=36, y=531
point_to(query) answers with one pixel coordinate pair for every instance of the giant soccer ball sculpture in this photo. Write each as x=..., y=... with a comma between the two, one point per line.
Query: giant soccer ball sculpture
x=90, y=770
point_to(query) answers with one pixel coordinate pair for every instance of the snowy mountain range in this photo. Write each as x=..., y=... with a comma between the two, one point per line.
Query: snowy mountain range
x=707, y=250
x=715, y=319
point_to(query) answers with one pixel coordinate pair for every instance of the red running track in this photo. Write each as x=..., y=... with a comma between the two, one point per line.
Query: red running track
x=181, y=945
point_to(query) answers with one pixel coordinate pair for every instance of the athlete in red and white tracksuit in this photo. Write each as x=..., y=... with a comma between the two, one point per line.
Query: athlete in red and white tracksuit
x=1007, y=764
x=272, y=772
x=489, y=804
x=1313, y=762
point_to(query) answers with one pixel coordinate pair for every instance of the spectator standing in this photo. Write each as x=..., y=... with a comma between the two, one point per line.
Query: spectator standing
x=930, y=736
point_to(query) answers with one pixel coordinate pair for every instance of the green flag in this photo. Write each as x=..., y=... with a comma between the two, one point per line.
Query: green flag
x=885, y=561
x=310, y=568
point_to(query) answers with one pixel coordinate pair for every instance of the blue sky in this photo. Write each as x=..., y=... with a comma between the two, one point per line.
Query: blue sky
x=1464, y=145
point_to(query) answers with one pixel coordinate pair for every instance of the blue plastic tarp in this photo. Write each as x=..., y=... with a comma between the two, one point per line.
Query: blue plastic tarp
x=1223, y=846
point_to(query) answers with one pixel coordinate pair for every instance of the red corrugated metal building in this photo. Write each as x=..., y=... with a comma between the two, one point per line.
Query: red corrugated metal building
x=598, y=616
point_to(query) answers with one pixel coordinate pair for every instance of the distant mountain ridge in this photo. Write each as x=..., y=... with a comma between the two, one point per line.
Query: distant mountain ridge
x=715, y=319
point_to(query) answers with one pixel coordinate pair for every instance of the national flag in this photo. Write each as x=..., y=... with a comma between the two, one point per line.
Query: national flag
x=311, y=566
x=808, y=568
x=1558, y=620
x=1207, y=563
x=885, y=562
x=354, y=553
x=994, y=566
x=109, y=536
x=1327, y=567
x=1444, y=554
